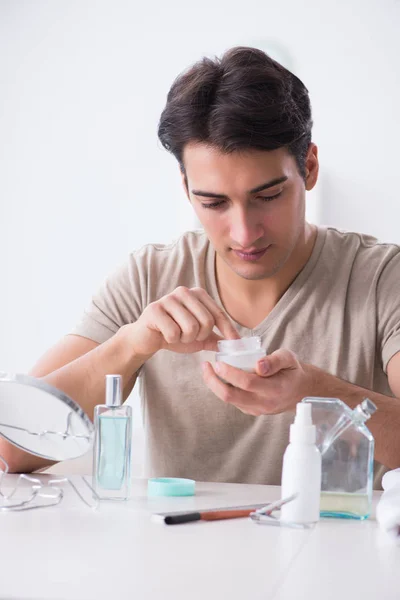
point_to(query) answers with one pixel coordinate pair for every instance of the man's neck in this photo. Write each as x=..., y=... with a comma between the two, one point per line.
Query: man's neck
x=238, y=294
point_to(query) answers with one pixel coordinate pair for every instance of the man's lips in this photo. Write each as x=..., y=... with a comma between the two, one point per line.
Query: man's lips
x=250, y=255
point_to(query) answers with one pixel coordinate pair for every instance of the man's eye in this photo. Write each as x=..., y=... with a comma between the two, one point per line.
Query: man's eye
x=269, y=198
x=213, y=204
x=220, y=203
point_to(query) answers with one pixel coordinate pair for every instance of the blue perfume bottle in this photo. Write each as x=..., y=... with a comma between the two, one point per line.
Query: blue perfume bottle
x=112, y=444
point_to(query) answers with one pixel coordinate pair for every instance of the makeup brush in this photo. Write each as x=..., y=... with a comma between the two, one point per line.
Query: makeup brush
x=237, y=512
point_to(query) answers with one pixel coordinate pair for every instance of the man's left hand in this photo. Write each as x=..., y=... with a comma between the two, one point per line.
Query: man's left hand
x=280, y=381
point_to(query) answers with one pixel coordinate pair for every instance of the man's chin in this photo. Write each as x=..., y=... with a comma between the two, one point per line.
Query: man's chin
x=254, y=272
x=254, y=276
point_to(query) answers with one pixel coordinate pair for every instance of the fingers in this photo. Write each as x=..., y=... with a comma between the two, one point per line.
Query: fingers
x=165, y=324
x=243, y=380
x=277, y=361
x=211, y=343
x=199, y=310
x=192, y=314
x=221, y=319
x=242, y=400
x=187, y=323
x=224, y=391
x=271, y=393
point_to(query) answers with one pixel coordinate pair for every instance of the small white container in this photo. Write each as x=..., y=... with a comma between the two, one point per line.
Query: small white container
x=301, y=471
x=242, y=354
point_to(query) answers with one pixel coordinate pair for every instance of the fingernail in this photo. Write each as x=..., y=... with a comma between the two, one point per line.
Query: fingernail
x=263, y=367
x=218, y=367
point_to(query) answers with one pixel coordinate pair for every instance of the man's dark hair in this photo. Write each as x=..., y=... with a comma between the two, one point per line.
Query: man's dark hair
x=245, y=100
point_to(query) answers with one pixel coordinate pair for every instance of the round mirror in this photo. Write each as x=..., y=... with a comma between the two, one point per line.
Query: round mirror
x=41, y=419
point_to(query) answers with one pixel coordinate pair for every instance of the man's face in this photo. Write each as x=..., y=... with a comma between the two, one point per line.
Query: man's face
x=251, y=204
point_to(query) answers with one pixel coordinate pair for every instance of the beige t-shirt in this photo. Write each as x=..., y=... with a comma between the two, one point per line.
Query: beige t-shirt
x=341, y=314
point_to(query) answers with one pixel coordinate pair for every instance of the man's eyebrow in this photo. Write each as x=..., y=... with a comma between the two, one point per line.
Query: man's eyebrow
x=259, y=188
x=269, y=184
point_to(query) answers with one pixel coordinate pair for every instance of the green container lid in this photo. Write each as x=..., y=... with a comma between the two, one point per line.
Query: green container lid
x=170, y=486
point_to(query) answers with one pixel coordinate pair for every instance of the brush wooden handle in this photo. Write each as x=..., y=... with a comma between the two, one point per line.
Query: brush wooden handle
x=225, y=514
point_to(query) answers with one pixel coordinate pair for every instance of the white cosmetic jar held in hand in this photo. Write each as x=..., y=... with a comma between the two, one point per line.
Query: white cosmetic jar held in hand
x=242, y=354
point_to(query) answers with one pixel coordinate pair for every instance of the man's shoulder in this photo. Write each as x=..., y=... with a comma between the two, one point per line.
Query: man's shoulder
x=189, y=244
x=160, y=268
x=363, y=247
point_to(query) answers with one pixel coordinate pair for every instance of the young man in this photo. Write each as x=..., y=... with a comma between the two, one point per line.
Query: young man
x=325, y=303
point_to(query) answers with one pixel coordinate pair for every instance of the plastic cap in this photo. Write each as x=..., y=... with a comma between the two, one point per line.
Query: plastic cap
x=303, y=414
x=303, y=430
x=245, y=344
x=365, y=410
x=113, y=390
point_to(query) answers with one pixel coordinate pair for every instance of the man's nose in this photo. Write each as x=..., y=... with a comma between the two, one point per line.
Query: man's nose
x=245, y=229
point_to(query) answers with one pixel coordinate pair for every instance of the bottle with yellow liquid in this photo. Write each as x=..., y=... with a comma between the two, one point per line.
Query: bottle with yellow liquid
x=347, y=453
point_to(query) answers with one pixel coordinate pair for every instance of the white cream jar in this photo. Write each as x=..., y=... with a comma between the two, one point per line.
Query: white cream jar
x=242, y=354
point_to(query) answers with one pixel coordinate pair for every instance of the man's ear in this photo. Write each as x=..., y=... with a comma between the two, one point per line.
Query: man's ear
x=312, y=167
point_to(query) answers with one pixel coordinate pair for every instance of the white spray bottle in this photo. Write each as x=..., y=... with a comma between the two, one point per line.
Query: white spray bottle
x=301, y=471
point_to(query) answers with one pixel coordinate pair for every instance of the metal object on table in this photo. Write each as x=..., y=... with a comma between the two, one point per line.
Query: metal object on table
x=265, y=516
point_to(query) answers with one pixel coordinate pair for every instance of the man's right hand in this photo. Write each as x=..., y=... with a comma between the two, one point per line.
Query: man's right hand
x=182, y=321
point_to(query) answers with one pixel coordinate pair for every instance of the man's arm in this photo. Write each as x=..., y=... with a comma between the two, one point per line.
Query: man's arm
x=66, y=350
x=282, y=380
x=71, y=365
x=182, y=321
x=385, y=423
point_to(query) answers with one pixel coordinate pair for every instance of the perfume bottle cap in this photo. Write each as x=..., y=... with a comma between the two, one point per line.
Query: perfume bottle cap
x=113, y=390
x=365, y=410
x=303, y=430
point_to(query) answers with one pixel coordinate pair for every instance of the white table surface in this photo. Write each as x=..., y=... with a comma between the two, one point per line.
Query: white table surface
x=118, y=552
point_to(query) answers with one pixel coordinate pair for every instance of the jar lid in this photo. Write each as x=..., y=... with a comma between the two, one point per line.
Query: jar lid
x=245, y=344
x=170, y=486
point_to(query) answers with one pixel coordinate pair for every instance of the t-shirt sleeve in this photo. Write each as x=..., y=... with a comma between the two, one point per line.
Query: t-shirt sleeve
x=388, y=310
x=118, y=302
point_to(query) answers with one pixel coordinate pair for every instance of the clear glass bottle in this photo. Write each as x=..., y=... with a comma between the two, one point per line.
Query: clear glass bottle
x=112, y=444
x=347, y=451
x=242, y=354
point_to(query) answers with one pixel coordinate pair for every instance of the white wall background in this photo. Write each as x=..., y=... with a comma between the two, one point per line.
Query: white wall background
x=83, y=179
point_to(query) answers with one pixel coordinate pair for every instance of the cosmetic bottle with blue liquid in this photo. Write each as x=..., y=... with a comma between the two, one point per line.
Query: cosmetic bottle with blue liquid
x=112, y=444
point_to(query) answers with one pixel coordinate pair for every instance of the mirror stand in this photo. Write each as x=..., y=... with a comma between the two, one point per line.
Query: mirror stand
x=50, y=492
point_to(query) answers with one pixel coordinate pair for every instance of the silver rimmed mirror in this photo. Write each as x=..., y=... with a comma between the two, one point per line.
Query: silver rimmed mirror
x=41, y=419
